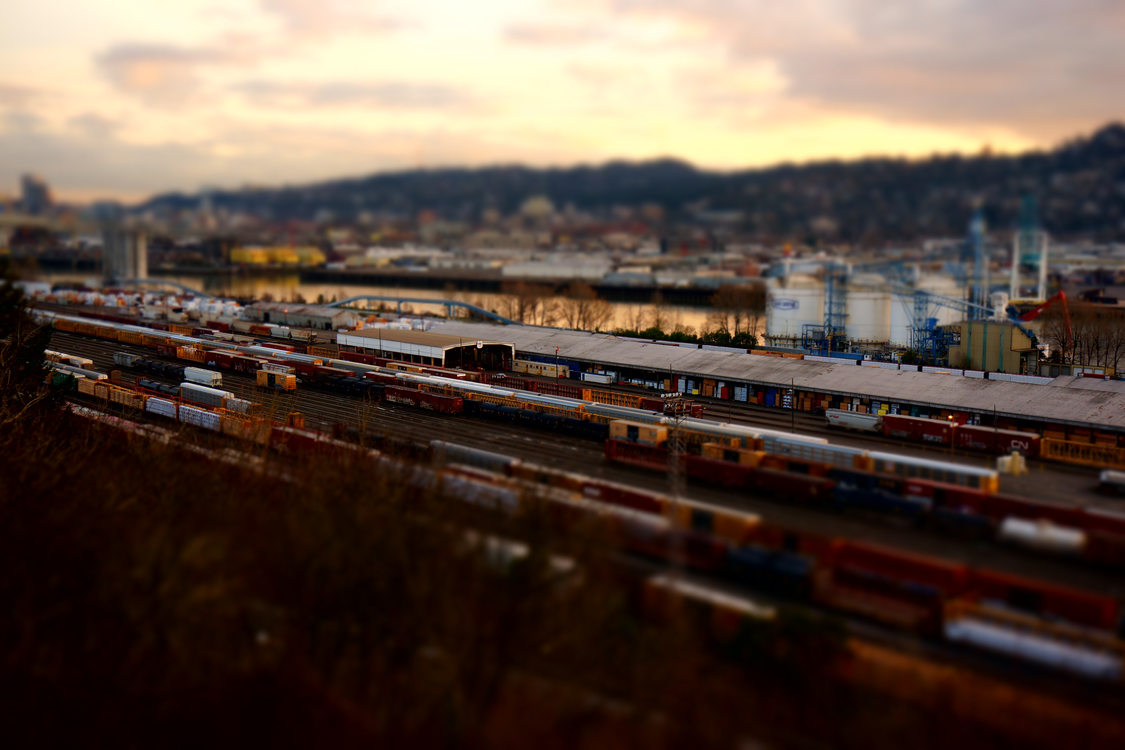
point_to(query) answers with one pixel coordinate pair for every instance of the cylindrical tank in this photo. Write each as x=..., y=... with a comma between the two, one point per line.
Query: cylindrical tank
x=869, y=315
x=792, y=302
x=902, y=307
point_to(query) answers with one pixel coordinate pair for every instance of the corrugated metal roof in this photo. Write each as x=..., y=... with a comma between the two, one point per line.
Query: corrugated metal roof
x=1074, y=400
x=426, y=338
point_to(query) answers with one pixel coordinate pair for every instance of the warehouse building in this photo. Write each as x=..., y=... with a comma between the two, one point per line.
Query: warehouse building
x=320, y=317
x=816, y=383
x=427, y=348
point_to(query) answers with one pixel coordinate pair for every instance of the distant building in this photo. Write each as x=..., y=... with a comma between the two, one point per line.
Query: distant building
x=321, y=317
x=36, y=195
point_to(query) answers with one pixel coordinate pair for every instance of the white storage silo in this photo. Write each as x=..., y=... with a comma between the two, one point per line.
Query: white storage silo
x=869, y=314
x=791, y=303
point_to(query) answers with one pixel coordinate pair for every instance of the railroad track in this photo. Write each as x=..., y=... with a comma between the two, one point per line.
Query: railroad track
x=323, y=410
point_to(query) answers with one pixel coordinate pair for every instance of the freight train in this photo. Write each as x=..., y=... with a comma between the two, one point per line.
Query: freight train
x=1021, y=617
x=1040, y=622
x=568, y=413
x=925, y=494
x=938, y=432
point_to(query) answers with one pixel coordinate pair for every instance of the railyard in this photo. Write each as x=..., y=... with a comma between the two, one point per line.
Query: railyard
x=887, y=568
x=326, y=410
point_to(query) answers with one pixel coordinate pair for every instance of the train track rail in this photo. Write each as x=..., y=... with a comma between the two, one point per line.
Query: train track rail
x=324, y=410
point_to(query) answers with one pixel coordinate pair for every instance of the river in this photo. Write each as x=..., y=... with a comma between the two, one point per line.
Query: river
x=288, y=286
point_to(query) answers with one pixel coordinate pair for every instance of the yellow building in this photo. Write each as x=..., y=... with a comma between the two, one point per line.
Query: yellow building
x=994, y=346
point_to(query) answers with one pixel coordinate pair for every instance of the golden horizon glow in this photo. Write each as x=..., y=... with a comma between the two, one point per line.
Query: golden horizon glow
x=132, y=99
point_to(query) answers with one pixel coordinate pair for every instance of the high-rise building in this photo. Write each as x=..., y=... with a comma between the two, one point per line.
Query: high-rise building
x=36, y=196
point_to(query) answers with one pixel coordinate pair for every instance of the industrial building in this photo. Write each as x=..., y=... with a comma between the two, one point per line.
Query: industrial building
x=320, y=317
x=842, y=383
x=426, y=348
x=994, y=346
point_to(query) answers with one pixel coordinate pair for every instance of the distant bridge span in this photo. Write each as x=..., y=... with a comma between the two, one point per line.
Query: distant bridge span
x=448, y=304
x=163, y=282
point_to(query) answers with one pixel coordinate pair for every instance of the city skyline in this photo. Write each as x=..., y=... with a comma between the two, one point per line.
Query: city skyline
x=127, y=101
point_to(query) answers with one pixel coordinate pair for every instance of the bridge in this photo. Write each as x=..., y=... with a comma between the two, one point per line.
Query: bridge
x=448, y=304
x=162, y=282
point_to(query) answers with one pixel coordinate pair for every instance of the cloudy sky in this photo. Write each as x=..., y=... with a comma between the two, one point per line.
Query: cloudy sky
x=129, y=97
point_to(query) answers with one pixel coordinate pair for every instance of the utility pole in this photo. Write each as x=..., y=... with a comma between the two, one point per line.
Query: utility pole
x=793, y=405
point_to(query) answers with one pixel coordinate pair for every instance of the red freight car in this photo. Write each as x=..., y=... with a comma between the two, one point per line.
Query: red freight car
x=424, y=400
x=365, y=359
x=1081, y=607
x=637, y=454
x=385, y=379
x=621, y=495
x=218, y=325
x=992, y=440
x=245, y=365
x=215, y=358
x=788, y=486
x=558, y=388
x=1108, y=521
x=904, y=567
x=725, y=473
x=918, y=429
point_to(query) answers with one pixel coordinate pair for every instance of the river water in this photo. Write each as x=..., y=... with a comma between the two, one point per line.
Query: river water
x=288, y=287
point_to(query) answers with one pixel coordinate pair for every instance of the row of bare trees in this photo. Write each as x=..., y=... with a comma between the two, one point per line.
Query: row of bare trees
x=1096, y=337
x=578, y=307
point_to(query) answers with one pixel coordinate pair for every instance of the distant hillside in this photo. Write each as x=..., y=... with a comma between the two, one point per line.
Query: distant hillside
x=1079, y=187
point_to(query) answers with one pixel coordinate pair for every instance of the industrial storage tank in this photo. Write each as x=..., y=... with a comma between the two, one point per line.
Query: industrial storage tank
x=869, y=313
x=791, y=302
x=902, y=307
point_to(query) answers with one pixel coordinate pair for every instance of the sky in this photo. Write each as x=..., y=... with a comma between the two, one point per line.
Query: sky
x=127, y=98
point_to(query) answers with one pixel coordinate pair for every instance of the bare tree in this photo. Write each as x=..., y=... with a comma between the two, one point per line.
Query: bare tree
x=738, y=308
x=1096, y=335
x=582, y=309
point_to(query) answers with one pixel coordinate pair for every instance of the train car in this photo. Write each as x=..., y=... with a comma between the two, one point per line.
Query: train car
x=852, y=420
x=423, y=400
x=990, y=440
x=714, y=471
x=1112, y=482
x=200, y=376
x=202, y=394
x=68, y=359
x=790, y=486
x=918, y=429
x=945, y=472
x=278, y=381
x=637, y=454
x=1045, y=599
x=542, y=369
x=889, y=585
x=77, y=371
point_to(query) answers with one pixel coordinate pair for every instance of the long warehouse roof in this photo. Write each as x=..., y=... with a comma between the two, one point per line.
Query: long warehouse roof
x=1074, y=400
